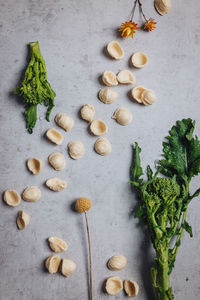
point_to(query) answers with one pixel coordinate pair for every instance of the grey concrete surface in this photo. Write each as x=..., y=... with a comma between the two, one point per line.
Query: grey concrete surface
x=72, y=36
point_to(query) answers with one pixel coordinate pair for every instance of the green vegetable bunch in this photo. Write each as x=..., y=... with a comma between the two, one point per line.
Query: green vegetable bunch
x=163, y=201
x=35, y=89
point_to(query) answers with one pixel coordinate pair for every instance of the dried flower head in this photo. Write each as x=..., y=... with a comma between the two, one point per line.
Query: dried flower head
x=128, y=28
x=150, y=25
x=82, y=205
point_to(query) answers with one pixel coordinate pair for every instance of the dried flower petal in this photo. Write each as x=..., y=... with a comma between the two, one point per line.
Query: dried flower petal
x=150, y=25
x=128, y=28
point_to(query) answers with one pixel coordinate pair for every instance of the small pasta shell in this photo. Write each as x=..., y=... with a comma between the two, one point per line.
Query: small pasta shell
x=35, y=165
x=131, y=288
x=107, y=95
x=123, y=116
x=139, y=60
x=109, y=78
x=23, y=219
x=148, y=97
x=31, y=194
x=115, y=50
x=57, y=161
x=54, y=136
x=12, y=198
x=55, y=184
x=162, y=6
x=126, y=77
x=87, y=112
x=76, y=149
x=64, y=121
x=117, y=262
x=103, y=146
x=57, y=245
x=136, y=93
x=98, y=127
x=68, y=267
x=52, y=263
x=113, y=285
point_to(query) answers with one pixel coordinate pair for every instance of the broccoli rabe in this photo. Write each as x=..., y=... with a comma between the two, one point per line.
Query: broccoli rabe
x=163, y=201
x=35, y=89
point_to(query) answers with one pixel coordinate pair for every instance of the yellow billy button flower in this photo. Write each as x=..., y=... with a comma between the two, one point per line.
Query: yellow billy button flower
x=128, y=28
x=82, y=206
x=150, y=25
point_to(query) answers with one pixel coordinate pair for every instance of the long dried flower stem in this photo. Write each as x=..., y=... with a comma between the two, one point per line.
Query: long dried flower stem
x=141, y=10
x=90, y=255
x=133, y=10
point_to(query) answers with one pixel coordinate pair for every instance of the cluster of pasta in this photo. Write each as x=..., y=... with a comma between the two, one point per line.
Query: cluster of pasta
x=54, y=263
x=114, y=284
x=139, y=93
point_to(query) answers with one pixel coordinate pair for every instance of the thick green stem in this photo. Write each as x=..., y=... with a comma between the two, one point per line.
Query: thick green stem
x=160, y=277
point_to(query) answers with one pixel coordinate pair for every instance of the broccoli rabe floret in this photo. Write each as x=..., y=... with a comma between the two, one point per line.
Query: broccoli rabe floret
x=35, y=89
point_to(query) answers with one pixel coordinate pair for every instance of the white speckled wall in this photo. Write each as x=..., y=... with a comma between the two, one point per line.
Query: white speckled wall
x=73, y=36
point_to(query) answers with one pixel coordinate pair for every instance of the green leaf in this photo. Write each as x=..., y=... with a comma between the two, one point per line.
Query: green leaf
x=31, y=117
x=149, y=172
x=188, y=228
x=136, y=169
x=193, y=157
x=196, y=194
x=181, y=152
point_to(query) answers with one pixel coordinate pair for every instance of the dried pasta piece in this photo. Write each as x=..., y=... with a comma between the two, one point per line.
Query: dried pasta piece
x=136, y=93
x=23, y=219
x=52, y=263
x=57, y=245
x=76, y=149
x=35, y=165
x=115, y=50
x=68, y=267
x=103, y=146
x=139, y=60
x=117, y=262
x=148, y=97
x=131, y=288
x=126, y=77
x=55, y=184
x=57, y=161
x=12, y=198
x=107, y=95
x=114, y=285
x=31, y=194
x=87, y=112
x=54, y=136
x=109, y=78
x=162, y=6
x=64, y=121
x=123, y=116
x=98, y=127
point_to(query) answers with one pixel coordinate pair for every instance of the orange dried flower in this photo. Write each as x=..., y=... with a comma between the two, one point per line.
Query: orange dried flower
x=82, y=205
x=150, y=25
x=128, y=28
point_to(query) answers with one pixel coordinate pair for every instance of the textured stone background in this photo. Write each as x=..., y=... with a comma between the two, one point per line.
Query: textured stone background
x=72, y=36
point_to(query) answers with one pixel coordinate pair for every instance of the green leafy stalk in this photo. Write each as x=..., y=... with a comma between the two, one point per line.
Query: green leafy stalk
x=163, y=201
x=35, y=89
